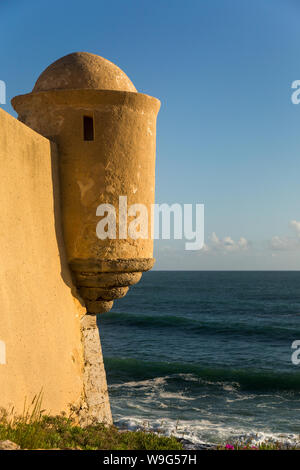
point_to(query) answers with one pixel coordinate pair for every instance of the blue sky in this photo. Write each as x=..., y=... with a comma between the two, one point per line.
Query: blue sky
x=228, y=133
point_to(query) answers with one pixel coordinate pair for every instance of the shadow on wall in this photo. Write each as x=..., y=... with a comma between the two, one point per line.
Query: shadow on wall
x=65, y=271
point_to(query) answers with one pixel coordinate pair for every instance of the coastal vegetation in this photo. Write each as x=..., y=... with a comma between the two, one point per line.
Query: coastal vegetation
x=265, y=445
x=34, y=429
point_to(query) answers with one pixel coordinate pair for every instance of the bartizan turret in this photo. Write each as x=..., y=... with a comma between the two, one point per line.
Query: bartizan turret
x=105, y=132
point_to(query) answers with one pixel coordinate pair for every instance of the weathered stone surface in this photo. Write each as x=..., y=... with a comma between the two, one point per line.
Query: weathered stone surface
x=107, y=279
x=101, y=306
x=96, y=407
x=112, y=265
x=9, y=445
x=100, y=293
x=83, y=70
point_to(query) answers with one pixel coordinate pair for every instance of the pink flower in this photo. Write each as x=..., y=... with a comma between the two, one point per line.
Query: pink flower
x=229, y=447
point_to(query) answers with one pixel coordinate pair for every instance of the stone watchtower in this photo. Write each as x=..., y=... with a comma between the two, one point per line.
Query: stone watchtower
x=83, y=138
x=105, y=133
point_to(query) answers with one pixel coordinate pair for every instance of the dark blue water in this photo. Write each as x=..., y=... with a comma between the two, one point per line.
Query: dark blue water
x=206, y=355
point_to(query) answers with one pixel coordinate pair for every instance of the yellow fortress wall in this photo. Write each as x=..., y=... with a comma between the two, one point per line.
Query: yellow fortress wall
x=39, y=317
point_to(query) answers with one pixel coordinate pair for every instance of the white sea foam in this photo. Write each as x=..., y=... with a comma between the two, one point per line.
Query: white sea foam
x=200, y=432
x=141, y=383
x=176, y=396
x=206, y=415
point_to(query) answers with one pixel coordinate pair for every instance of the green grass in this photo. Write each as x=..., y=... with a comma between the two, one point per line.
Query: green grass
x=36, y=430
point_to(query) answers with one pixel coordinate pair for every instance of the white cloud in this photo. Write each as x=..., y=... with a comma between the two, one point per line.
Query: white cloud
x=283, y=243
x=286, y=243
x=226, y=245
x=295, y=226
x=243, y=243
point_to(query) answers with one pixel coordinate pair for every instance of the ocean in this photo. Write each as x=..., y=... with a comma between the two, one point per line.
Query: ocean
x=206, y=355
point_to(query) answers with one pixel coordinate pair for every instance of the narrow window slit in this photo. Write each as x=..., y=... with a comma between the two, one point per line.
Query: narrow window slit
x=88, y=128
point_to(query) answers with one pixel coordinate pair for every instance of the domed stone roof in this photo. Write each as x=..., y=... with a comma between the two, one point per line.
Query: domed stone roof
x=81, y=70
